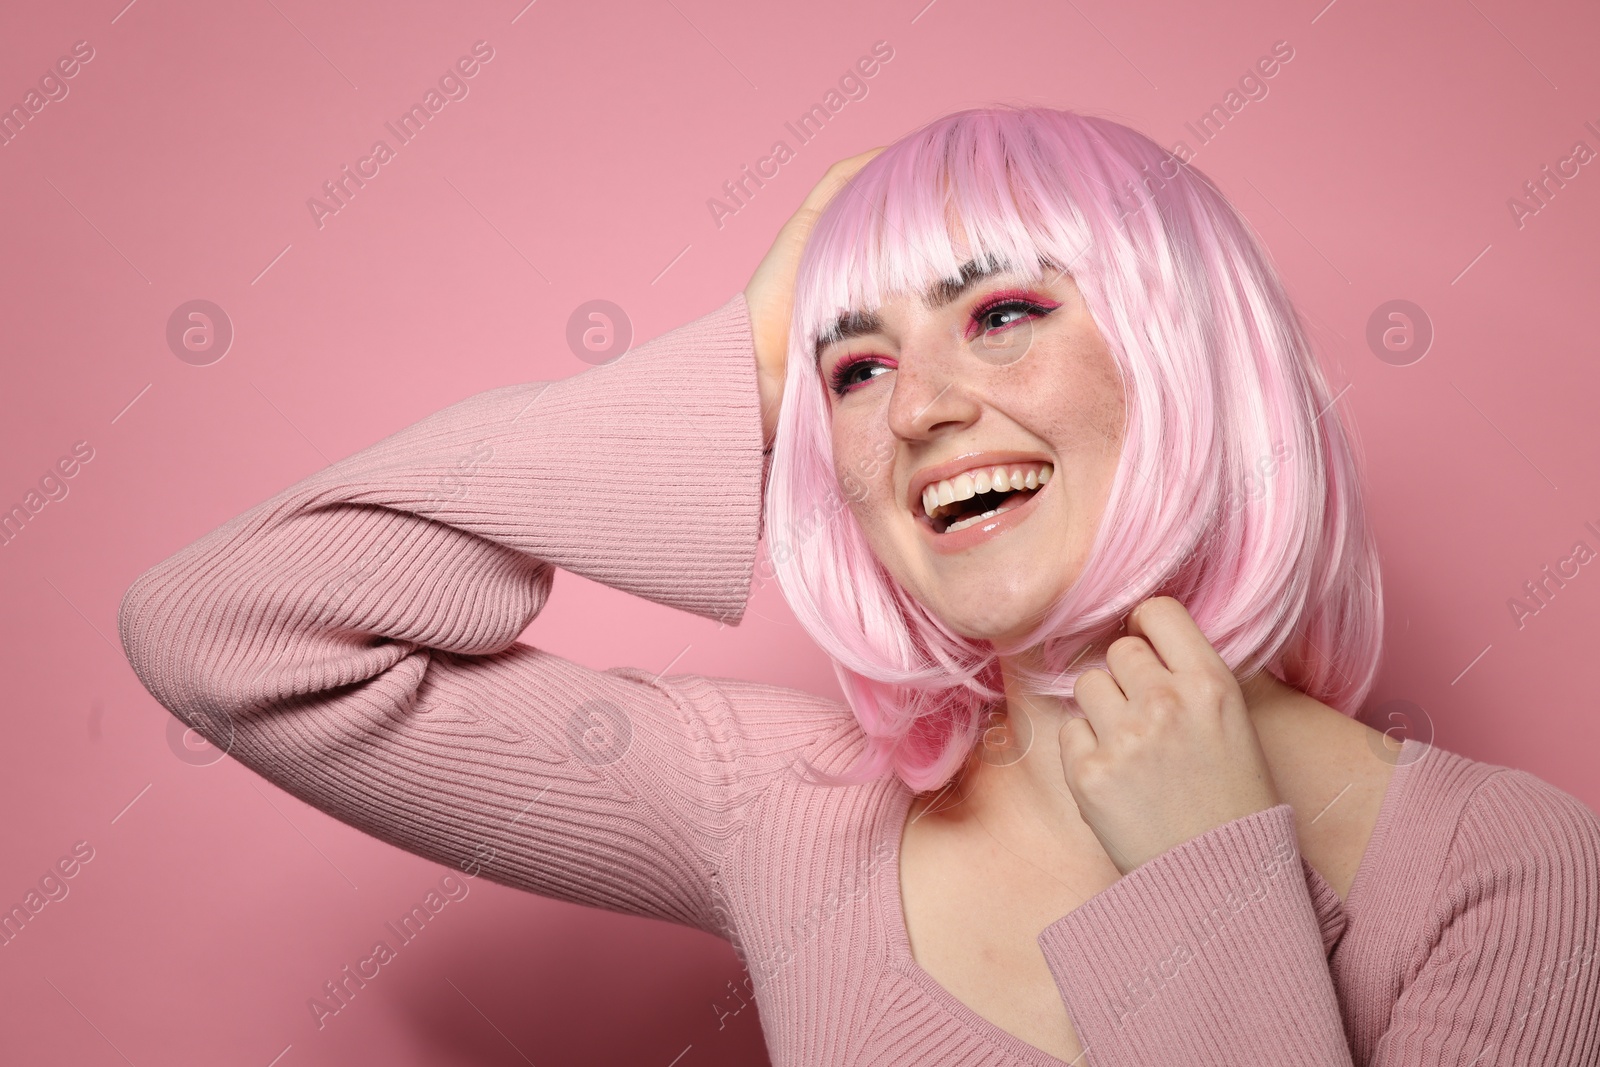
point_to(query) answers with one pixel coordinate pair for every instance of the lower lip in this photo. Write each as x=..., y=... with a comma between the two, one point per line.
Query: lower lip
x=981, y=532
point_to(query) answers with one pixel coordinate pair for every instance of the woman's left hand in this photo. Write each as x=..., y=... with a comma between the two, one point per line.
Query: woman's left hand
x=1166, y=751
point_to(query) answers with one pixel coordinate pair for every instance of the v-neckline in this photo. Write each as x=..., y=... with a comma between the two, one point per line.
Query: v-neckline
x=1332, y=913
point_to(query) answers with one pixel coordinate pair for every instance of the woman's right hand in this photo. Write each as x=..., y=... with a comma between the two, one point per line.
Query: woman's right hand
x=770, y=294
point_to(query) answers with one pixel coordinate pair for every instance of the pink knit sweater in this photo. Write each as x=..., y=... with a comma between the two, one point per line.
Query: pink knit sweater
x=354, y=640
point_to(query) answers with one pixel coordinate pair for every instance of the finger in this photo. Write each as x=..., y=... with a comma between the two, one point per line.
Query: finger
x=1135, y=665
x=1078, y=740
x=850, y=165
x=835, y=178
x=1100, y=698
x=1169, y=628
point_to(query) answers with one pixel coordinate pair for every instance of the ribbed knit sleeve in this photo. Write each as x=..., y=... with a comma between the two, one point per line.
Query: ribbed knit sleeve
x=1513, y=971
x=1211, y=954
x=354, y=638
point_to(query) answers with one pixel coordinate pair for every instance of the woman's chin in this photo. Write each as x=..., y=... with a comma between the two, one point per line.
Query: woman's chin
x=979, y=606
x=1000, y=627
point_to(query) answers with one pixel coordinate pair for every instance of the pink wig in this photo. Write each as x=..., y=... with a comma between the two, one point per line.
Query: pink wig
x=1237, y=490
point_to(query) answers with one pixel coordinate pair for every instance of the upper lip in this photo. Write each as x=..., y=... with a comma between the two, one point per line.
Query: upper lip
x=963, y=464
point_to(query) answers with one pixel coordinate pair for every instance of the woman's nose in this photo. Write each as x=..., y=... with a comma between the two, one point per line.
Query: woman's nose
x=930, y=396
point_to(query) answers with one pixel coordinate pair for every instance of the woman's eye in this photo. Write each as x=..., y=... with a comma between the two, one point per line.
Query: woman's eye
x=847, y=376
x=998, y=317
x=1008, y=313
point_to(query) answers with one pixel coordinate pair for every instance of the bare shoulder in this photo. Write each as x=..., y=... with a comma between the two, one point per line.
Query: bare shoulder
x=1333, y=771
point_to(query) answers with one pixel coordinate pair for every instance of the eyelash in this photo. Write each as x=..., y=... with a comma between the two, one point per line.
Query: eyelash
x=998, y=302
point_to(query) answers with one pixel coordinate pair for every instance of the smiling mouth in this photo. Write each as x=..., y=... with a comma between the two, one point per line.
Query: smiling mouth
x=963, y=513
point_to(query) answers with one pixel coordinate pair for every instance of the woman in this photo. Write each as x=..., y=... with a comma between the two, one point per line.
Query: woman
x=1056, y=482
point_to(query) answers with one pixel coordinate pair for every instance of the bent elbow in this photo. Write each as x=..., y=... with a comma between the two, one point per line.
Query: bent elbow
x=169, y=645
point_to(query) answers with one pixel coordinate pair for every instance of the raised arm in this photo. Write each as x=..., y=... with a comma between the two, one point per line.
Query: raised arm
x=353, y=639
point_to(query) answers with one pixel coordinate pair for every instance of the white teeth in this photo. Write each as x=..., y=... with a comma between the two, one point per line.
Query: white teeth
x=967, y=485
x=964, y=523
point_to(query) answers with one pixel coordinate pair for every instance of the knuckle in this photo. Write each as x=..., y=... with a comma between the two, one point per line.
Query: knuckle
x=1092, y=775
x=1092, y=685
x=1209, y=689
x=1125, y=644
x=1163, y=699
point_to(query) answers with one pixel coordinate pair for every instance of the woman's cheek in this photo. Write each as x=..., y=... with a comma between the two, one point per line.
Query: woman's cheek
x=855, y=489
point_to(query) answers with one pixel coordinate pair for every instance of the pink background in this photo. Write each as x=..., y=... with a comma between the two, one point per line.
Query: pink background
x=1377, y=167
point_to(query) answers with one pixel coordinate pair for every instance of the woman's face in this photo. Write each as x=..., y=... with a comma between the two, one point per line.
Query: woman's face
x=941, y=389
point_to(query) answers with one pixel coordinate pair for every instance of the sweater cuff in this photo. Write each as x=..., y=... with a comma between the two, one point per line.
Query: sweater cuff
x=655, y=460
x=1210, y=953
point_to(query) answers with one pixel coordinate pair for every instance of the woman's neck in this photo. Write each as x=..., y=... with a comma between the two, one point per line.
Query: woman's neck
x=1016, y=763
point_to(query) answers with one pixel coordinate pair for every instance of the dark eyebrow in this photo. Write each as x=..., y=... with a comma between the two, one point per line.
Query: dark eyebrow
x=942, y=292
